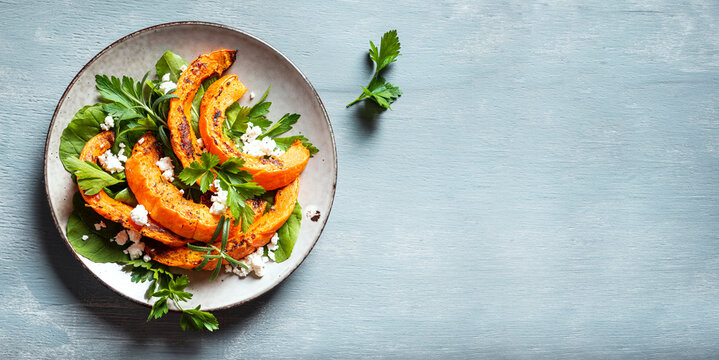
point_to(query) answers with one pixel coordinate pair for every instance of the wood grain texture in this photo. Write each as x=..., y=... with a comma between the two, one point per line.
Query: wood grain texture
x=546, y=187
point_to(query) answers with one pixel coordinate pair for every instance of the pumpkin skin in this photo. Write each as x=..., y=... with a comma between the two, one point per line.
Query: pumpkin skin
x=269, y=173
x=163, y=200
x=115, y=210
x=241, y=245
x=183, y=139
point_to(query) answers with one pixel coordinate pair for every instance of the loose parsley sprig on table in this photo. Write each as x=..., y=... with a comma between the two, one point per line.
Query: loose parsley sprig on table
x=379, y=90
x=167, y=286
x=232, y=179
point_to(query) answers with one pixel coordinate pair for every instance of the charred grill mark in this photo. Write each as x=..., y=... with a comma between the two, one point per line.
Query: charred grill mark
x=272, y=161
x=219, y=93
x=218, y=114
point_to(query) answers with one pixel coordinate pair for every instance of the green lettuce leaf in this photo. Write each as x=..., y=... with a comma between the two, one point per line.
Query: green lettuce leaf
x=97, y=248
x=170, y=63
x=288, y=234
x=83, y=126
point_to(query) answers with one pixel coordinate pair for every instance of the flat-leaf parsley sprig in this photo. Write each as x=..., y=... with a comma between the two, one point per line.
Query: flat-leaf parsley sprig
x=379, y=90
x=233, y=180
x=167, y=286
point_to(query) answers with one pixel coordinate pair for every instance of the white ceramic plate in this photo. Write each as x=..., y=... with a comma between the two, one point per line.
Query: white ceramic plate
x=258, y=65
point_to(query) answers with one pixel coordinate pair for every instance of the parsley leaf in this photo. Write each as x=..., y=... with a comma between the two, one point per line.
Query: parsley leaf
x=282, y=126
x=238, y=116
x=90, y=177
x=197, y=171
x=194, y=319
x=382, y=92
x=388, y=50
x=378, y=90
x=284, y=143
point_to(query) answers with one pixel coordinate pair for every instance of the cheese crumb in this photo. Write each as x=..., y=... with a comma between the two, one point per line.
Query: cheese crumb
x=100, y=225
x=254, y=147
x=139, y=215
x=85, y=237
x=166, y=85
x=199, y=142
x=142, y=140
x=135, y=250
x=146, y=258
x=112, y=162
x=183, y=67
x=134, y=236
x=109, y=123
x=121, y=238
x=182, y=192
x=219, y=200
x=168, y=170
x=252, y=95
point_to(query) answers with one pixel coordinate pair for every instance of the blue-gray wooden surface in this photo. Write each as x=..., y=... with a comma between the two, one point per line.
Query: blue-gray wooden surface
x=546, y=187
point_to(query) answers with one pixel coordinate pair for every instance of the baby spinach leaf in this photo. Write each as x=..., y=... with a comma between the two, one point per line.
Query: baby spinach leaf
x=288, y=234
x=170, y=63
x=83, y=126
x=97, y=247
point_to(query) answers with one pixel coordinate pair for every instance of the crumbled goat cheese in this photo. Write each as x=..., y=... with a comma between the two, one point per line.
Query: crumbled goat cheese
x=142, y=140
x=139, y=215
x=112, y=162
x=168, y=171
x=135, y=250
x=183, y=67
x=121, y=238
x=166, y=85
x=146, y=258
x=182, y=192
x=254, y=147
x=272, y=246
x=255, y=262
x=251, y=133
x=134, y=236
x=271, y=255
x=219, y=200
x=263, y=147
x=100, y=225
x=199, y=142
x=252, y=95
x=109, y=123
x=85, y=237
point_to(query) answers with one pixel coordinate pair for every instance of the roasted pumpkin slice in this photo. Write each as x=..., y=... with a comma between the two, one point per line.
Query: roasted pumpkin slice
x=117, y=211
x=163, y=200
x=185, y=258
x=259, y=234
x=269, y=173
x=183, y=139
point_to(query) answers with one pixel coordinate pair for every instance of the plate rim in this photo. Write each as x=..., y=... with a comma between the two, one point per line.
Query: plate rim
x=133, y=34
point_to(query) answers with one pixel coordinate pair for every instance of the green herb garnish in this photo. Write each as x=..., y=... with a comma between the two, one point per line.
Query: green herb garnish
x=379, y=90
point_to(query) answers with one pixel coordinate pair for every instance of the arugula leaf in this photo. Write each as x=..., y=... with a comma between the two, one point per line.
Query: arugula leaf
x=170, y=63
x=197, y=171
x=388, y=50
x=284, y=143
x=97, y=248
x=378, y=90
x=282, y=126
x=90, y=177
x=288, y=234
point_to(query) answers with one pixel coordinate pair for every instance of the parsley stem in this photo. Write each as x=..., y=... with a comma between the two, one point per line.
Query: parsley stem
x=358, y=99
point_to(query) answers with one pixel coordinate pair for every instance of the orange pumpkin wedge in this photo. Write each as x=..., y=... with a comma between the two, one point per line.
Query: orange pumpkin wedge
x=183, y=139
x=258, y=234
x=115, y=210
x=163, y=200
x=269, y=173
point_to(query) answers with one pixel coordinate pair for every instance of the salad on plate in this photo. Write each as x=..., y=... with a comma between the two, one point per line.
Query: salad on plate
x=174, y=174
